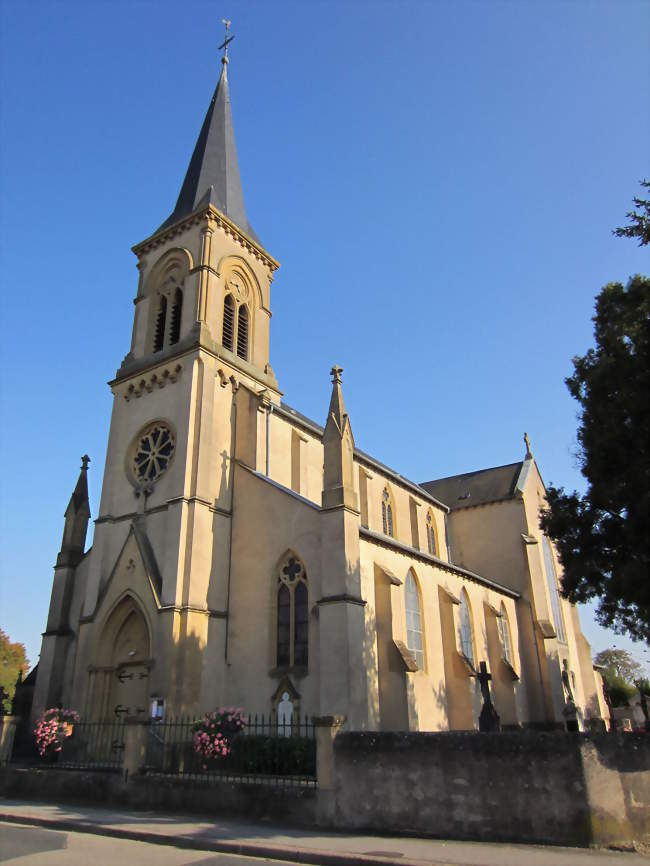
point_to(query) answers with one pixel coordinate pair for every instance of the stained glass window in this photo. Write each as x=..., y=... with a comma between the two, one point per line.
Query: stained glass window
x=153, y=452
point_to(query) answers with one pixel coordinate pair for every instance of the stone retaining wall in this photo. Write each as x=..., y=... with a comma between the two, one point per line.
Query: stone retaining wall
x=556, y=788
x=564, y=789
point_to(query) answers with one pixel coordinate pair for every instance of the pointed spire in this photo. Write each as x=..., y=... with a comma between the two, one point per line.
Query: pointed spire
x=213, y=173
x=338, y=451
x=337, y=410
x=79, y=496
x=77, y=515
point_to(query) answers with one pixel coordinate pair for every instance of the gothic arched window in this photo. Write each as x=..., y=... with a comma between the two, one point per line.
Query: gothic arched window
x=242, y=332
x=293, y=614
x=414, y=630
x=387, y=514
x=504, y=634
x=175, y=319
x=466, y=631
x=431, y=535
x=161, y=320
x=228, y=322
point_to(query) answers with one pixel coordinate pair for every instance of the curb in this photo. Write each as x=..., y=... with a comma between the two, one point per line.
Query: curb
x=307, y=856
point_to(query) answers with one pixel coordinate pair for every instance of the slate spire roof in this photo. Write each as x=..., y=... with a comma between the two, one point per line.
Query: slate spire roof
x=213, y=173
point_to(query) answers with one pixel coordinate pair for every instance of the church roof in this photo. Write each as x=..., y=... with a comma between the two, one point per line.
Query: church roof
x=476, y=488
x=213, y=173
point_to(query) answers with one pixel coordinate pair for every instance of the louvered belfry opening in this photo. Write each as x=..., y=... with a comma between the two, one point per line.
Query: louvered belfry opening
x=242, y=332
x=161, y=319
x=228, y=322
x=175, y=321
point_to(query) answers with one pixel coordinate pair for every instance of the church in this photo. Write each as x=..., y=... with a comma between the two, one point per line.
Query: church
x=245, y=555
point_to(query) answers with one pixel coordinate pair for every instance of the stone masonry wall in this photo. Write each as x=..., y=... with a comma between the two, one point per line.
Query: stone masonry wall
x=522, y=787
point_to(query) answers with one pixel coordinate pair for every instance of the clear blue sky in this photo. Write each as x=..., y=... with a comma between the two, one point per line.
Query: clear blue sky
x=438, y=179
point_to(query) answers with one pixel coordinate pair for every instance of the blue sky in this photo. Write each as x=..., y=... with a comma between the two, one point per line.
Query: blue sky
x=438, y=179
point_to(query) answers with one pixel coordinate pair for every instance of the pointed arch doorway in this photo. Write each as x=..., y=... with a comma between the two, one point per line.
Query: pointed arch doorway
x=119, y=682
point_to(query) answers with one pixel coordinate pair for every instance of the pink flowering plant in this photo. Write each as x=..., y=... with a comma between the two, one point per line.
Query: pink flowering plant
x=53, y=729
x=213, y=734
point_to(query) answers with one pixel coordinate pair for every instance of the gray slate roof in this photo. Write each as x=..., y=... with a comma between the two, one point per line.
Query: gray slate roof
x=213, y=173
x=476, y=488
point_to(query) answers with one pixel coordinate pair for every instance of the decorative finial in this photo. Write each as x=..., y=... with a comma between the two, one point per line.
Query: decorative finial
x=85, y=460
x=226, y=42
x=529, y=453
x=335, y=373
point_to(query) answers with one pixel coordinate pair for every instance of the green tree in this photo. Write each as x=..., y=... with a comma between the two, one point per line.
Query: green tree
x=620, y=663
x=13, y=659
x=602, y=537
x=640, y=227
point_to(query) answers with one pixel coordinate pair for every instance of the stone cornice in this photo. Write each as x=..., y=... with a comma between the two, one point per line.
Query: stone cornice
x=393, y=544
x=215, y=219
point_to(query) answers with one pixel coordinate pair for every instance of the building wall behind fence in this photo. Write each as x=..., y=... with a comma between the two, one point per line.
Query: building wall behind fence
x=521, y=787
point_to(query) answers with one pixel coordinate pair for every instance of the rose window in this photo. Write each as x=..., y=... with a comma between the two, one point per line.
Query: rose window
x=153, y=451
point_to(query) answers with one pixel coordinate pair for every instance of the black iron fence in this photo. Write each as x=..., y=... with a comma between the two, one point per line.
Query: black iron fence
x=91, y=745
x=266, y=751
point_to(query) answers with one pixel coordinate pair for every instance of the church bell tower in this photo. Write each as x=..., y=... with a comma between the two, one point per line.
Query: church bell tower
x=154, y=615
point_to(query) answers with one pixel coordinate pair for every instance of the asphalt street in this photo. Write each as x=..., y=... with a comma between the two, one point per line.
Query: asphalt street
x=36, y=846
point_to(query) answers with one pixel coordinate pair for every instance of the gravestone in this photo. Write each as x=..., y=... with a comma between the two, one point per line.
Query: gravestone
x=489, y=719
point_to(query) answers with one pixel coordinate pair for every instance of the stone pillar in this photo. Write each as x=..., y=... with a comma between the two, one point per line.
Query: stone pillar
x=135, y=745
x=326, y=728
x=342, y=616
x=8, y=725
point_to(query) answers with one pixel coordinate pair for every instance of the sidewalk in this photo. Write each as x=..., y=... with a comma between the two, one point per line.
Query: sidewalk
x=231, y=836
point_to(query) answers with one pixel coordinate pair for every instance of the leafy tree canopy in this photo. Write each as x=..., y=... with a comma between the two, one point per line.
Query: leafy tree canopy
x=640, y=220
x=13, y=659
x=620, y=663
x=602, y=537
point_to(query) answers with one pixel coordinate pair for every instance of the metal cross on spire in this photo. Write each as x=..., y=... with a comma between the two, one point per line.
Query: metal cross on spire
x=335, y=373
x=227, y=40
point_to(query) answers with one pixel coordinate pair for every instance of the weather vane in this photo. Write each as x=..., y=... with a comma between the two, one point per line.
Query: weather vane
x=226, y=42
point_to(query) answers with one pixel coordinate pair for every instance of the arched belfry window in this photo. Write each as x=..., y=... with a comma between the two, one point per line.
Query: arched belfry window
x=242, y=332
x=414, y=630
x=175, y=318
x=504, y=634
x=161, y=321
x=466, y=631
x=228, y=322
x=431, y=535
x=387, y=518
x=292, y=613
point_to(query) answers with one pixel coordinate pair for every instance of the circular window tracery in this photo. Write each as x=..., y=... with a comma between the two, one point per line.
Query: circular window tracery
x=153, y=449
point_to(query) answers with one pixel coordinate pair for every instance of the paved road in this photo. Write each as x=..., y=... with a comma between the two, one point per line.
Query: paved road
x=221, y=841
x=38, y=847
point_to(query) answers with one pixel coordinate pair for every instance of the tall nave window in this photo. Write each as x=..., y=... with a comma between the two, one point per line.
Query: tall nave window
x=414, y=631
x=466, y=631
x=292, y=614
